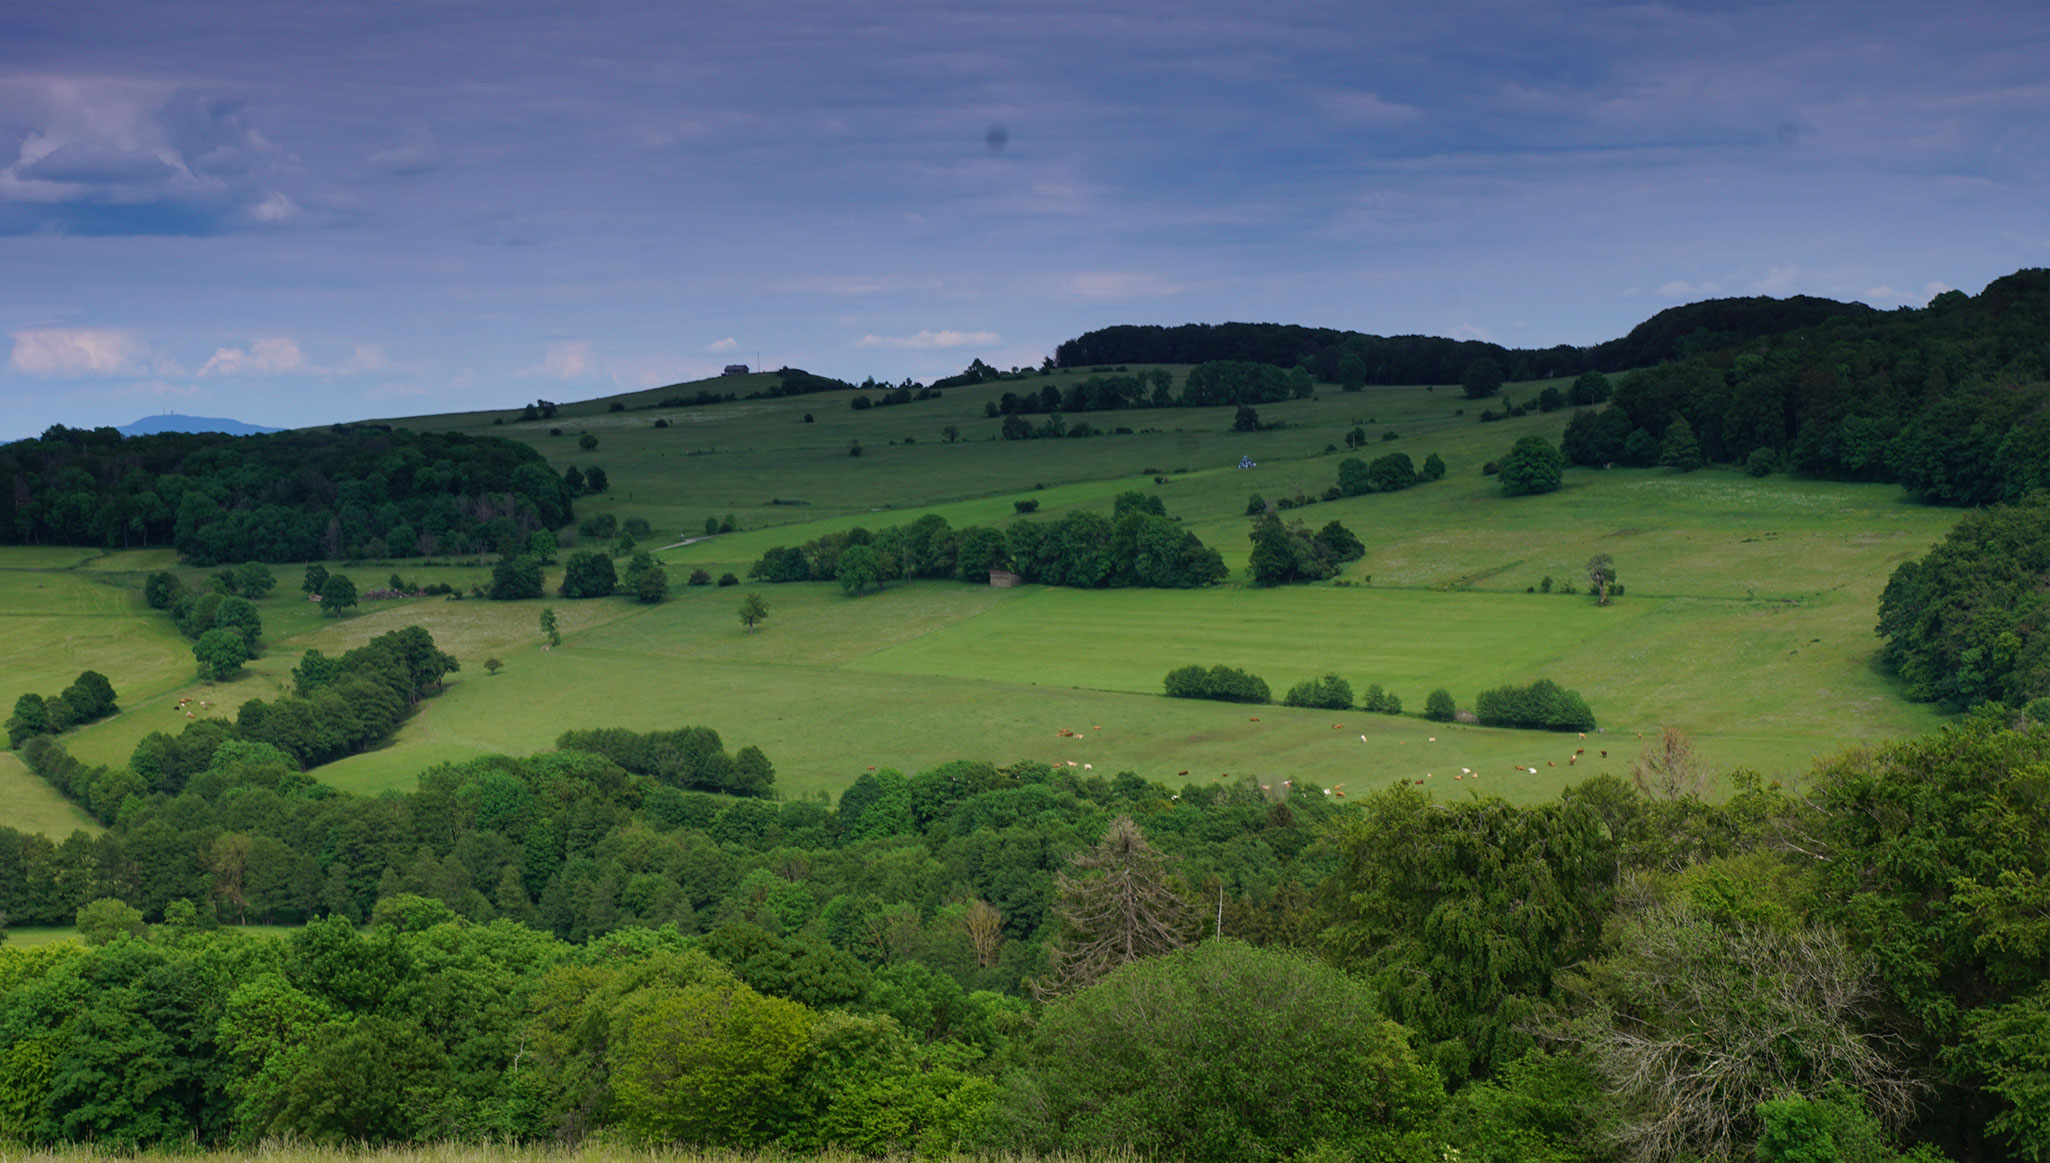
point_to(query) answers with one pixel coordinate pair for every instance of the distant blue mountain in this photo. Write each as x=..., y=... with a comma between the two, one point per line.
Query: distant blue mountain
x=173, y=422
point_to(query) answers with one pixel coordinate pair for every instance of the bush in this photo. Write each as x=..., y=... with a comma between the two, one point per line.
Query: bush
x=1381, y=702
x=1224, y=684
x=854, y=448
x=161, y=589
x=727, y=579
x=1391, y=473
x=1330, y=693
x=700, y=577
x=1761, y=462
x=1434, y=468
x=1439, y=707
x=588, y=575
x=1543, y=705
x=1225, y=1051
x=1025, y=506
x=1533, y=467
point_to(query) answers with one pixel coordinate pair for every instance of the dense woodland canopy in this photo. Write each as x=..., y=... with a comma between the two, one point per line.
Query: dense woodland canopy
x=556, y=946
x=1970, y=623
x=345, y=491
x=1949, y=401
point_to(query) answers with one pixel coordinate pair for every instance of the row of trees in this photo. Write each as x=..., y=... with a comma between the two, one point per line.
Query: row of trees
x=1138, y=545
x=1387, y=474
x=1225, y=684
x=1543, y=705
x=692, y=758
x=1286, y=553
x=90, y=697
x=1024, y=958
x=346, y=491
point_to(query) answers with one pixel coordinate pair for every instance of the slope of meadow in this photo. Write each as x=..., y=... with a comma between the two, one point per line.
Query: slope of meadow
x=1746, y=619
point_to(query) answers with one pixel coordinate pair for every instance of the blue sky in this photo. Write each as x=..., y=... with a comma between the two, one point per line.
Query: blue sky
x=298, y=213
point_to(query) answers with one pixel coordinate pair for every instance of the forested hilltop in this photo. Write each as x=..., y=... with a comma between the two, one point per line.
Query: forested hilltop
x=1427, y=359
x=1948, y=400
x=1041, y=957
x=320, y=494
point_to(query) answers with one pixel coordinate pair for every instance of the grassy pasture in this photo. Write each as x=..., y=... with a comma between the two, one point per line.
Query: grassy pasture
x=1746, y=619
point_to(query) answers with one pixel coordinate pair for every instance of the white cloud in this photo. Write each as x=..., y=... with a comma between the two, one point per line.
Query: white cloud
x=1681, y=289
x=275, y=208
x=368, y=357
x=1777, y=281
x=1369, y=107
x=273, y=356
x=1118, y=285
x=726, y=344
x=1932, y=289
x=415, y=154
x=567, y=359
x=77, y=351
x=928, y=340
x=654, y=371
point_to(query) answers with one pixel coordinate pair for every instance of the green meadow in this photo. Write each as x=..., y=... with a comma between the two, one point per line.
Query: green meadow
x=1746, y=619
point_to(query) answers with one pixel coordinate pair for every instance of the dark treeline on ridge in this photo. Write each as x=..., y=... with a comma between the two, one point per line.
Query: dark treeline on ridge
x=1427, y=359
x=1949, y=401
x=991, y=958
x=289, y=496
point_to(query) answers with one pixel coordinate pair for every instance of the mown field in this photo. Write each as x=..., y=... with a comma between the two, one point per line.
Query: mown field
x=1746, y=621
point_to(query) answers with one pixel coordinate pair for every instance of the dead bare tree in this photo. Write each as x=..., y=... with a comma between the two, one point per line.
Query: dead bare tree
x=1668, y=769
x=985, y=931
x=1116, y=909
x=1701, y=1021
x=1601, y=574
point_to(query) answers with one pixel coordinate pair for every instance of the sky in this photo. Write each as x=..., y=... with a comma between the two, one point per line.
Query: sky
x=298, y=213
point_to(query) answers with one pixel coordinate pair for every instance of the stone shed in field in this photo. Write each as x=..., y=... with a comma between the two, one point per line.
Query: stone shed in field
x=1003, y=579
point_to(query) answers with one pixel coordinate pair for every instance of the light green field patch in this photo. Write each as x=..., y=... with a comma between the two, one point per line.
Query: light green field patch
x=27, y=804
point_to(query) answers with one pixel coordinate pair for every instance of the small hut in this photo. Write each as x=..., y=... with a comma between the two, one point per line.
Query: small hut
x=1003, y=579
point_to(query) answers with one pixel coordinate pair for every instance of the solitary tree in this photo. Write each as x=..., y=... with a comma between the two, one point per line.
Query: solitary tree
x=1483, y=379
x=316, y=579
x=1439, y=707
x=220, y=653
x=1533, y=466
x=1114, y=909
x=493, y=665
x=752, y=610
x=548, y=626
x=1245, y=420
x=1601, y=574
x=1668, y=769
x=338, y=594
x=587, y=442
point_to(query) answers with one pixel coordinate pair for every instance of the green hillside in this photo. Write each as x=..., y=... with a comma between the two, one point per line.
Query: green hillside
x=1746, y=619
